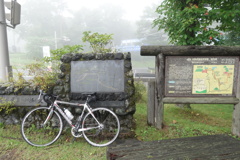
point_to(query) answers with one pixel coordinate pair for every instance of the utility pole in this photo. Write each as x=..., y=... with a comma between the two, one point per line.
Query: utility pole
x=5, y=68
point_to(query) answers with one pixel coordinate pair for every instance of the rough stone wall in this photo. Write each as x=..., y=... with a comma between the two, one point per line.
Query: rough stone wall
x=62, y=88
x=125, y=113
x=14, y=114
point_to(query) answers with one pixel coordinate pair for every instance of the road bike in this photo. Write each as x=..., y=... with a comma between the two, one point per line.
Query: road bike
x=43, y=126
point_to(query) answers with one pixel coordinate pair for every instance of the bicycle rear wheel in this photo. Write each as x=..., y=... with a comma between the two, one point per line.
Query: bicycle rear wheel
x=35, y=132
x=102, y=127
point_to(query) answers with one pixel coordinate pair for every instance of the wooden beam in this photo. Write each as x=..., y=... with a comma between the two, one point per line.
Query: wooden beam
x=201, y=100
x=190, y=50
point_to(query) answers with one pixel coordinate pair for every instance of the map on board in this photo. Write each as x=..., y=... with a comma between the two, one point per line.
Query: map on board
x=200, y=76
x=213, y=79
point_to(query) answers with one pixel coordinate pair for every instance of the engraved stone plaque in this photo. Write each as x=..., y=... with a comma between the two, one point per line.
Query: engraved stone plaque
x=97, y=76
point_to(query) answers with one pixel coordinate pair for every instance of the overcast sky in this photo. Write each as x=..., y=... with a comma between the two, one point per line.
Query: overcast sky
x=133, y=8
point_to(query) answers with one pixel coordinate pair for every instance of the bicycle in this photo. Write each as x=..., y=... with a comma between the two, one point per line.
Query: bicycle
x=43, y=126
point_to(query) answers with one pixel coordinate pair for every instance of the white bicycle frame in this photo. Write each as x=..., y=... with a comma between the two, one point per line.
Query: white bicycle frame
x=85, y=106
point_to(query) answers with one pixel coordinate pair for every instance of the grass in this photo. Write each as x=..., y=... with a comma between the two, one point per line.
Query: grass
x=179, y=122
x=20, y=59
x=12, y=146
x=184, y=122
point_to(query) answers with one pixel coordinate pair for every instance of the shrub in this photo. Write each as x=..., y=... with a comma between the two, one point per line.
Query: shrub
x=140, y=92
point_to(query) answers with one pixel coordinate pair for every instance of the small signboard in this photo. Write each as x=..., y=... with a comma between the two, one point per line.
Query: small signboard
x=201, y=75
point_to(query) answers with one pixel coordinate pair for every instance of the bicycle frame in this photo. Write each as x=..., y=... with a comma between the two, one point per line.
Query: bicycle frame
x=94, y=124
x=85, y=107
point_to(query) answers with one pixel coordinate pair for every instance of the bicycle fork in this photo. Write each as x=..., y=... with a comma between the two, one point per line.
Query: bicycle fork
x=49, y=115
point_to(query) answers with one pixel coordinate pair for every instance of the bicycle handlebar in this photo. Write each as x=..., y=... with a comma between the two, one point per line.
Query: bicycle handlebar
x=50, y=98
x=91, y=98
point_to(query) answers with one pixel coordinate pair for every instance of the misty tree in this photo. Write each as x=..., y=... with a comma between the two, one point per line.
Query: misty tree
x=233, y=36
x=196, y=22
x=146, y=32
x=100, y=43
x=40, y=21
x=106, y=18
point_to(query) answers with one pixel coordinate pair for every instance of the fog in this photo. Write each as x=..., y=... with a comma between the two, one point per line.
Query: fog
x=131, y=9
x=56, y=23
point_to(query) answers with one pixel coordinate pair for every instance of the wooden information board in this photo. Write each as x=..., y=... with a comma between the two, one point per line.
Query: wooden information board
x=195, y=75
x=201, y=75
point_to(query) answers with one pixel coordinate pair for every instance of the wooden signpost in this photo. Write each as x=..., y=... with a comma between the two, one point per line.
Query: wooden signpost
x=195, y=75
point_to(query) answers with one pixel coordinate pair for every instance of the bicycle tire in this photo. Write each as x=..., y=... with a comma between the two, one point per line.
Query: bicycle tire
x=104, y=134
x=37, y=135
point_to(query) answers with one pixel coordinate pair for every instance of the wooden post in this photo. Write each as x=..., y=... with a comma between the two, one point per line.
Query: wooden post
x=236, y=110
x=151, y=103
x=159, y=108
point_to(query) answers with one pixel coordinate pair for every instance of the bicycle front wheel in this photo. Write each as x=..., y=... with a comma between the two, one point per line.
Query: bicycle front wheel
x=41, y=127
x=101, y=127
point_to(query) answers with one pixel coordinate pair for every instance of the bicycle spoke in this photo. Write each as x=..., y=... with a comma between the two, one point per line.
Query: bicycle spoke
x=104, y=133
x=39, y=128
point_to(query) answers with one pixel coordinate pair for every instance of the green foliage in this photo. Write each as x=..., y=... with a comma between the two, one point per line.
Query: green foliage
x=18, y=81
x=189, y=22
x=6, y=106
x=98, y=42
x=2, y=125
x=140, y=92
x=58, y=53
x=43, y=76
